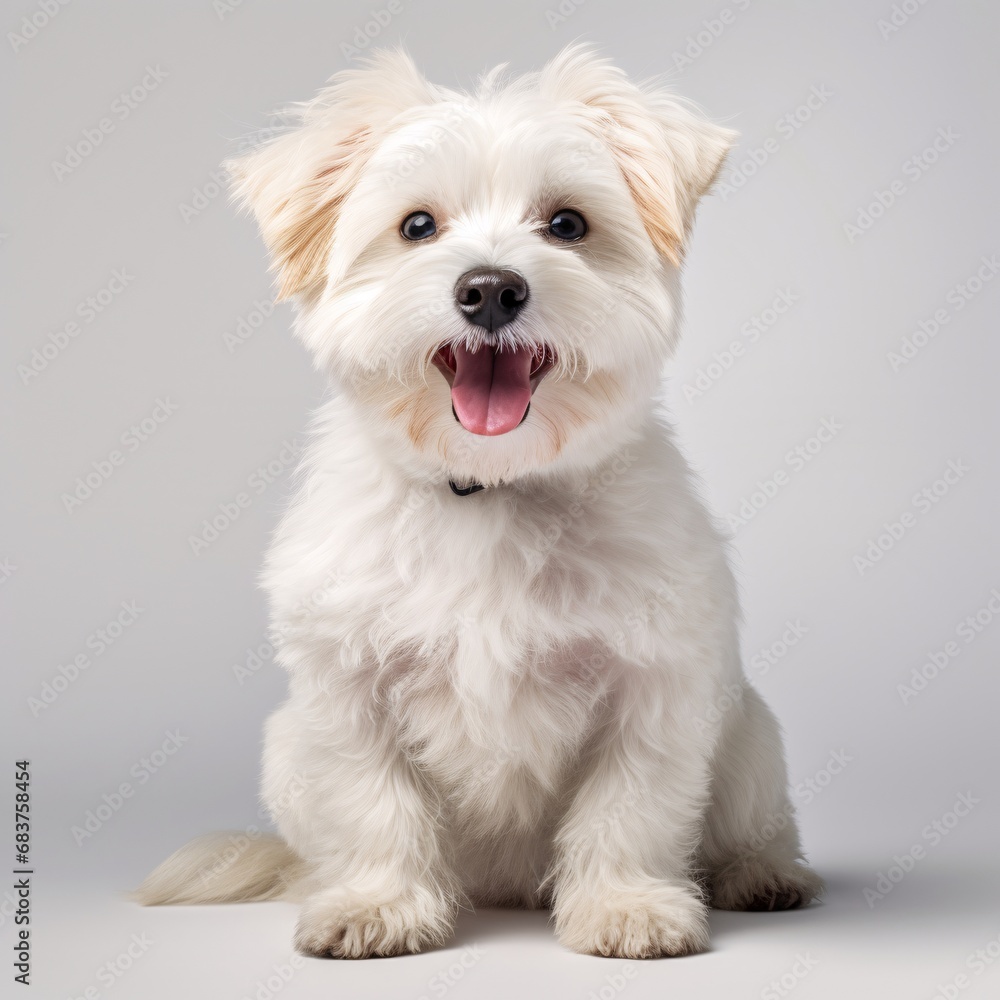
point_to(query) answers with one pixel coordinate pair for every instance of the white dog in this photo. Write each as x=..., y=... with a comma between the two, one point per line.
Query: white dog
x=508, y=620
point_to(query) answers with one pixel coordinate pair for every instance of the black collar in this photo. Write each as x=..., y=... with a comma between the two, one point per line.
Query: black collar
x=464, y=491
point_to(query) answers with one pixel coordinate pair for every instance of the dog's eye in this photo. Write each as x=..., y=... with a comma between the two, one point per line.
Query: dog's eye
x=418, y=226
x=568, y=225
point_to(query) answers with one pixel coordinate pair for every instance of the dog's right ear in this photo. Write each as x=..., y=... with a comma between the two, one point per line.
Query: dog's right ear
x=296, y=183
x=668, y=152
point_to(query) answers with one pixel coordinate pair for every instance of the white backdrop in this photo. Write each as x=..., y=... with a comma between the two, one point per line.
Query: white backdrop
x=835, y=388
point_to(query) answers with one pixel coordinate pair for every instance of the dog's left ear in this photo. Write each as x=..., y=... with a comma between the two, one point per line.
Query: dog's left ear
x=667, y=151
x=295, y=184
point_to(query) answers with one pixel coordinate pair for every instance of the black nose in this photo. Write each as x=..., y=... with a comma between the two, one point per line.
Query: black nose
x=489, y=297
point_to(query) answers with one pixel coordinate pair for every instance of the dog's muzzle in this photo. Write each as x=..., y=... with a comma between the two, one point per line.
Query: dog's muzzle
x=492, y=380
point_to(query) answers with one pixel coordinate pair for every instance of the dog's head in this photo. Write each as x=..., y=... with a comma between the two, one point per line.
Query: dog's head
x=492, y=279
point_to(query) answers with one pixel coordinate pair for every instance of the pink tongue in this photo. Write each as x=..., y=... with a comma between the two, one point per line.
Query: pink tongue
x=492, y=389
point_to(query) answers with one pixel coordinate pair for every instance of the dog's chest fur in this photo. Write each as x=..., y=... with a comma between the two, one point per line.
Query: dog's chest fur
x=497, y=762
x=490, y=630
x=510, y=659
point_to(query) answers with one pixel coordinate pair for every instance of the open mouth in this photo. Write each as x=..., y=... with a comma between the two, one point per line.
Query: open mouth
x=491, y=387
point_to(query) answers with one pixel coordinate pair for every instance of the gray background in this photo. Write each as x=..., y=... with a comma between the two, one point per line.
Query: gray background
x=145, y=201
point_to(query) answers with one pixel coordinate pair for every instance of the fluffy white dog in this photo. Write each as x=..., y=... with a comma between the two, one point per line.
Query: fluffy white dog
x=508, y=620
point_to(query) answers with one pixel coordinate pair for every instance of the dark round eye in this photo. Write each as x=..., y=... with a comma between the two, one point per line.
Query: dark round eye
x=418, y=226
x=568, y=225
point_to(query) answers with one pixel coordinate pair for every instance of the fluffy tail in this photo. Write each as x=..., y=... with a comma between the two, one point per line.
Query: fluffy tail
x=224, y=868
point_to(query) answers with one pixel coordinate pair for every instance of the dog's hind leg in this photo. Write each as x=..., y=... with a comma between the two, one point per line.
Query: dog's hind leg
x=750, y=850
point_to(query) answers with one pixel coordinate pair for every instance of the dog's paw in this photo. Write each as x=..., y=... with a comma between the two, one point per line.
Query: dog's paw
x=764, y=882
x=645, y=922
x=342, y=923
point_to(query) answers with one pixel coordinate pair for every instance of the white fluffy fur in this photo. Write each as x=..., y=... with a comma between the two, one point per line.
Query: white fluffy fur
x=524, y=696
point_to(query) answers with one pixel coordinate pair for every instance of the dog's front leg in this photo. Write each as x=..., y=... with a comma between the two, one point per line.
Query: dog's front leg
x=367, y=826
x=622, y=881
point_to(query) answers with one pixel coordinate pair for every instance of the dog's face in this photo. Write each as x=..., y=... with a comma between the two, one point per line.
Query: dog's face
x=491, y=279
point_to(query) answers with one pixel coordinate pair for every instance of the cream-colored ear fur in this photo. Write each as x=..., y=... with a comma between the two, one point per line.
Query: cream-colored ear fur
x=668, y=152
x=295, y=184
